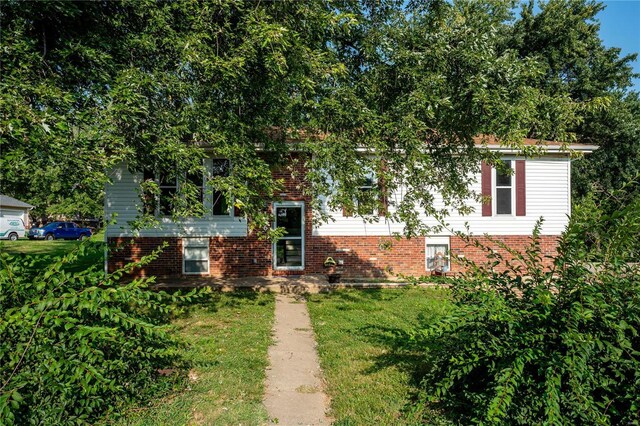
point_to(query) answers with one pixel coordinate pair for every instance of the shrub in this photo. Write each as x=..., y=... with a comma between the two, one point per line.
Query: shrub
x=76, y=343
x=533, y=345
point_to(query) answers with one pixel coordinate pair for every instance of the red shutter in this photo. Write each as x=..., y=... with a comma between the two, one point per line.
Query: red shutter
x=486, y=189
x=521, y=189
x=384, y=203
x=345, y=212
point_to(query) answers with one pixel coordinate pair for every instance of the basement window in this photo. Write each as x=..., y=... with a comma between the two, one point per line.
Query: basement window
x=195, y=256
x=437, y=254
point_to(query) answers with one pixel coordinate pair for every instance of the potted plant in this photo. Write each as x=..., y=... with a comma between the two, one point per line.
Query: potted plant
x=333, y=271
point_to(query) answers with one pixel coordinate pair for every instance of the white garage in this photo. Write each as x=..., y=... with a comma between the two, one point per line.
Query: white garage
x=10, y=207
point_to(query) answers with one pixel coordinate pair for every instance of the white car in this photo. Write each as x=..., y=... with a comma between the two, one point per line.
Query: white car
x=11, y=228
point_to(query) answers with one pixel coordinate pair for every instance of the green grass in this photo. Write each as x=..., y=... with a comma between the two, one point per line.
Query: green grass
x=228, y=342
x=42, y=247
x=41, y=250
x=371, y=370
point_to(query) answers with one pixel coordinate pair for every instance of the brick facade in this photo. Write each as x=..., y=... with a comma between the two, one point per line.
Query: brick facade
x=362, y=256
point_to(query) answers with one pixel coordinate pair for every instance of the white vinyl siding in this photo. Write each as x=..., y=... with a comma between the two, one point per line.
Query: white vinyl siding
x=548, y=196
x=122, y=202
x=547, y=186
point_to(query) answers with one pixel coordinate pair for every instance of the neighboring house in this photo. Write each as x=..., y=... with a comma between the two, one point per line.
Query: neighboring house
x=10, y=207
x=219, y=244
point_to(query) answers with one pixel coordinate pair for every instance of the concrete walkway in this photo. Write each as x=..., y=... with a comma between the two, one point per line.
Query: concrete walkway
x=294, y=390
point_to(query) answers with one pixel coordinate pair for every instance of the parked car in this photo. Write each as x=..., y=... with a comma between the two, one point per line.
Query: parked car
x=59, y=231
x=11, y=228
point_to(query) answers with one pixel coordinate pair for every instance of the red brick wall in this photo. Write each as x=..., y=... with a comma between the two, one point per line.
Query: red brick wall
x=361, y=256
x=124, y=250
x=548, y=245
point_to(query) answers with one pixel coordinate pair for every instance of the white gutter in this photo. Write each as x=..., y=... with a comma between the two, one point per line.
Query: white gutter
x=561, y=149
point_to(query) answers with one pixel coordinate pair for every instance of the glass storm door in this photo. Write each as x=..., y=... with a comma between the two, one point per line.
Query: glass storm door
x=288, y=251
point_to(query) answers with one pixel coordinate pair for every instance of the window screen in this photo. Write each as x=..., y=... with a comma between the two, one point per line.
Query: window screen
x=149, y=201
x=197, y=180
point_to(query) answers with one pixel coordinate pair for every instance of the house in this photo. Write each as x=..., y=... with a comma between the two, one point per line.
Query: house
x=219, y=244
x=10, y=207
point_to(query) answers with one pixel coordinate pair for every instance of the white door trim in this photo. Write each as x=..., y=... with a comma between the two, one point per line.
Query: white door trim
x=274, y=258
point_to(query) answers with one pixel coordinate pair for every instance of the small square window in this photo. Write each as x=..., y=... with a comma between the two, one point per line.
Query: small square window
x=195, y=256
x=437, y=254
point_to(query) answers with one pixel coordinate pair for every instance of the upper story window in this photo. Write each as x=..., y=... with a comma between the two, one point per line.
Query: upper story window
x=363, y=203
x=197, y=180
x=368, y=199
x=504, y=189
x=220, y=167
x=170, y=193
x=162, y=202
x=168, y=187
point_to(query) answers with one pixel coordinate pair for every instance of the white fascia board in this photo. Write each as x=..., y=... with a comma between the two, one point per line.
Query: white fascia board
x=551, y=149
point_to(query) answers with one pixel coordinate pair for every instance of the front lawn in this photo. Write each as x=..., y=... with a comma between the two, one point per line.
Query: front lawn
x=228, y=340
x=42, y=251
x=42, y=247
x=369, y=365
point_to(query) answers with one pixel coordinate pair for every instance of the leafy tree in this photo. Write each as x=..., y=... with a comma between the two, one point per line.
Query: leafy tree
x=87, y=85
x=617, y=131
x=563, y=35
x=53, y=73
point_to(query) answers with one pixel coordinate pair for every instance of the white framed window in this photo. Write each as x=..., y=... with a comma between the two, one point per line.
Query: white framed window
x=363, y=192
x=503, y=190
x=288, y=250
x=168, y=185
x=195, y=256
x=437, y=254
x=219, y=205
x=197, y=179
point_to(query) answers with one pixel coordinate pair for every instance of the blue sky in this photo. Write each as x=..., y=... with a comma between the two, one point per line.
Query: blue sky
x=620, y=27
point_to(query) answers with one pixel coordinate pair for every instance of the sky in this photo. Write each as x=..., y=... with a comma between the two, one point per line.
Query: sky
x=620, y=27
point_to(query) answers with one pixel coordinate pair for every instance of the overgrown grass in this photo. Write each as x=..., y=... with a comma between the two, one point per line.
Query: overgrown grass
x=368, y=360
x=228, y=340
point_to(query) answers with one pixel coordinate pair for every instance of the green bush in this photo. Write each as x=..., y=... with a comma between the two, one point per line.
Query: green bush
x=534, y=345
x=76, y=343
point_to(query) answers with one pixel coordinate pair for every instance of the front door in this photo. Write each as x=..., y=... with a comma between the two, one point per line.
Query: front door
x=288, y=251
